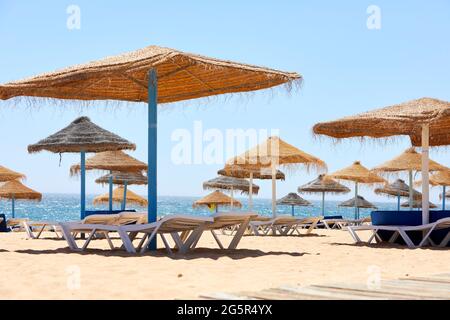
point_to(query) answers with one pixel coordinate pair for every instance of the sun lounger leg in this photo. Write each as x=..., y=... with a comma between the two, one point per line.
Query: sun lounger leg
x=192, y=240
x=28, y=230
x=111, y=245
x=445, y=241
x=217, y=240
x=373, y=236
x=177, y=239
x=407, y=239
x=426, y=239
x=238, y=236
x=354, y=235
x=40, y=231
x=127, y=243
x=91, y=235
x=166, y=244
x=149, y=239
x=69, y=238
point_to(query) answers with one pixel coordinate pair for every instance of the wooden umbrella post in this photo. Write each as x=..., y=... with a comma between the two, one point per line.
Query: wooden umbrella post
x=250, y=193
x=274, y=191
x=232, y=198
x=152, y=149
x=425, y=174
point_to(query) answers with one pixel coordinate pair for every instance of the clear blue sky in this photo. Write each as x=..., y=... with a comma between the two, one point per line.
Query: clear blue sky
x=347, y=69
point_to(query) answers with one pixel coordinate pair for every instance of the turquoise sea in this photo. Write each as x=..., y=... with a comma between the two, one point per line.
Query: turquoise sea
x=65, y=207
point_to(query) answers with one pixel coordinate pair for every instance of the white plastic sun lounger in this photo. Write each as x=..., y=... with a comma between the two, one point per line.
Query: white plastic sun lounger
x=402, y=232
x=34, y=229
x=284, y=225
x=343, y=223
x=222, y=221
x=168, y=225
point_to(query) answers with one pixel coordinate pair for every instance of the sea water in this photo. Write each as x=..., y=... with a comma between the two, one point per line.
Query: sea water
x=66, y=207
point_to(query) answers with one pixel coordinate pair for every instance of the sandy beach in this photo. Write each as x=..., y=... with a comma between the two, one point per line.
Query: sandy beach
x=46, y=269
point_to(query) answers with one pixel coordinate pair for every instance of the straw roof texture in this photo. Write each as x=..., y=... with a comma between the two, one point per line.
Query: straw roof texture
x=82, y=135
x=322, y=184
x=7, y=174
x=181, y=76
x=401, y=119
x=17, y=190
x=216, y=198
x=447, y=195
x=120, y=178
x=293, y=199
x=278, y=151
x=438, y=178
x=357, y=173
x=360, y=203
x=112, y=161
x=228, y=183
x=417, y=203
x=397, y=188
x=117, y=197
x=236, y=171
x=410, y=159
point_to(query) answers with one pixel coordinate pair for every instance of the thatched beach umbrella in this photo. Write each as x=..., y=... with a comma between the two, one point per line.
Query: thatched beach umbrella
x=417, y=203
x=231, y=184
x=398, y=189
x=426, y=121
x=8, y=175
x=216, y=199
x=439, y=178
x=248, y=173
x=111, y=161
x=14, y=190
x=272, y=153
x=82, y=136
x=293, y=199
x=359, y=175
x=152, y=75
x=358, y=202
x=125, y=179
x=409, y=161
x=323, y=184
x=118, y=197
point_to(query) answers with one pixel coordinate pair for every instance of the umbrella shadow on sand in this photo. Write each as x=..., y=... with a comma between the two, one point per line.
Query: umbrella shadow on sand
x=200, y=253
x=385, y=246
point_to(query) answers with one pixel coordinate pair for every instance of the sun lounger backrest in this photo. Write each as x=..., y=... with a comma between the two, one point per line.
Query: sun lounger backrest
x=182, y=223
x=222, y=220
x=282, y=220
x=107, y=219
x=132, y=218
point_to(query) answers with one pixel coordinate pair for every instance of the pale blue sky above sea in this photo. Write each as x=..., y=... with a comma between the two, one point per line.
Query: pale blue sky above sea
x=347, y=69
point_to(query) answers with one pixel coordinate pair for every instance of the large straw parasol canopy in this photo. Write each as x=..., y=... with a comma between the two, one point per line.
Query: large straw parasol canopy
x=230, y=183
x=401, y=119
x=276, y=151
x=447, y=195
x=323, y=184
x=216, y=199
x=82, y=135
x=409, y=160
x=397, y=189
x=117, y=197
x=15, y=189
x=417, y=203
x=357, y=173
x=358, y=202
x=7, y=174
x=181, y=76
x=237, y=171
x=122, y=178
x=438, y=178
x=293, y=199
x=111, y=161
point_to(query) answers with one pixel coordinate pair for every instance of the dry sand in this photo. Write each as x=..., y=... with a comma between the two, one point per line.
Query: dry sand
x=46, y=269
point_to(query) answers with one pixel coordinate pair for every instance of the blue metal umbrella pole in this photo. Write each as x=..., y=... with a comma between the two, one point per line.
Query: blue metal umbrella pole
x=443, y=197
x=398, y=202
x=13, y=207
x=124, y=202
x=152, y=149
x=83, y=185
x=110, y=192
x=292, y=210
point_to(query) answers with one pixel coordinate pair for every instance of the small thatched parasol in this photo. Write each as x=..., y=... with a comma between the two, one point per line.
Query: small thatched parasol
x=447, y=195
x=358, y=174
x=216, y=199
x=15, y=190
x=117, y=197
x=417, y=203
x=272, y=153
x=439, y=178
x=398, y=189
x=358, y=202
x=409, y=161
x=125, y=179
x=293, y=199
x=231, y=184
x=82, y=136
x=323, y=184
x=426, y=121
x=8, y=175
x=237, y=171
